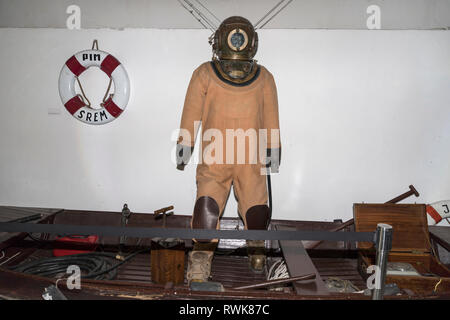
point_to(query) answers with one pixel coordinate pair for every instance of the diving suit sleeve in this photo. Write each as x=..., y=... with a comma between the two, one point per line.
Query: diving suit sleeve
x=271, y=123
x=192, y=115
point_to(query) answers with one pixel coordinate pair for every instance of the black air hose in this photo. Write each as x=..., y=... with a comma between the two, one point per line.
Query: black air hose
x=93, y=265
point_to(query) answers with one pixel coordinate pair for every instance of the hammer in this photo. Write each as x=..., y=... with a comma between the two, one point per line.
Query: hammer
x=163, y=212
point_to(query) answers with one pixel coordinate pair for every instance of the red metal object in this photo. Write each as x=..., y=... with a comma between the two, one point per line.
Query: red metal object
x=70, y=245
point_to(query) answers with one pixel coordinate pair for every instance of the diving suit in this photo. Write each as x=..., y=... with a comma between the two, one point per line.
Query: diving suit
x=235, y=100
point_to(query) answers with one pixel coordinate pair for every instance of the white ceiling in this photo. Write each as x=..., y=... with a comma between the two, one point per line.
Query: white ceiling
x=308, y=14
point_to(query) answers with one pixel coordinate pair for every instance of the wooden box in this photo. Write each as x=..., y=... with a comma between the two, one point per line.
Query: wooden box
x=167, y=262
x=410, y=244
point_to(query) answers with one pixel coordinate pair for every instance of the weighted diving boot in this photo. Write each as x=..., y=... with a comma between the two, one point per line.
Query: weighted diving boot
x=257, y=218
x=256, y=252
x=199, y=262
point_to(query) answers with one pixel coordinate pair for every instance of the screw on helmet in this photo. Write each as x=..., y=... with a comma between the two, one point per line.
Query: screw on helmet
x=235, y=39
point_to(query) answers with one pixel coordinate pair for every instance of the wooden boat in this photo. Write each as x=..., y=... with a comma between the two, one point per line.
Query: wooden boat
x=330, y=261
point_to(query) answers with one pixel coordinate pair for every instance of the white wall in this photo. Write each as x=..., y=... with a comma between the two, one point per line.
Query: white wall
x=363, y=115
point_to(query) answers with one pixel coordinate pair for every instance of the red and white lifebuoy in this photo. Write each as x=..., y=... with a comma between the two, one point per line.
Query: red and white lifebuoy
x=113, y=106
x=438, y=211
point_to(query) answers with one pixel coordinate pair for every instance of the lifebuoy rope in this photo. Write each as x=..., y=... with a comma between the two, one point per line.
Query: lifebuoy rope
x=83, y=95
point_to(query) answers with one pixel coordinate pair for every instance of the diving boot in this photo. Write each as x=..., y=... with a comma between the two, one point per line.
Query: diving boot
x=256, y=251
x=199, y=262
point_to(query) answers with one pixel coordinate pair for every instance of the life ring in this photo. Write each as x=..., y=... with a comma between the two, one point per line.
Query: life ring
x=113, y=106
x=438, y=211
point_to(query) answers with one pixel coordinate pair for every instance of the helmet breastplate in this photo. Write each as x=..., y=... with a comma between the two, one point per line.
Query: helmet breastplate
x=237, y=72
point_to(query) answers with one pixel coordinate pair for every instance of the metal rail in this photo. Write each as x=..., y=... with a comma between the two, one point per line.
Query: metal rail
x=180, y=233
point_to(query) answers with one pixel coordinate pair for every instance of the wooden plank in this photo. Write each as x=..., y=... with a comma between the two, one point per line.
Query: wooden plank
x=8, y=213
x=299, y=263
x=28, y=210
x=441, y=243
x=441, y=234
x=12, y=213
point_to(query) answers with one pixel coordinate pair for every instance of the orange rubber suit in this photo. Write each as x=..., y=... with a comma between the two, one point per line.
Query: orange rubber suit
x=220, y=106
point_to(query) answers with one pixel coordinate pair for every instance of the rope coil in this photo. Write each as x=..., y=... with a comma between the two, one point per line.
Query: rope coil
x=278, y=270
